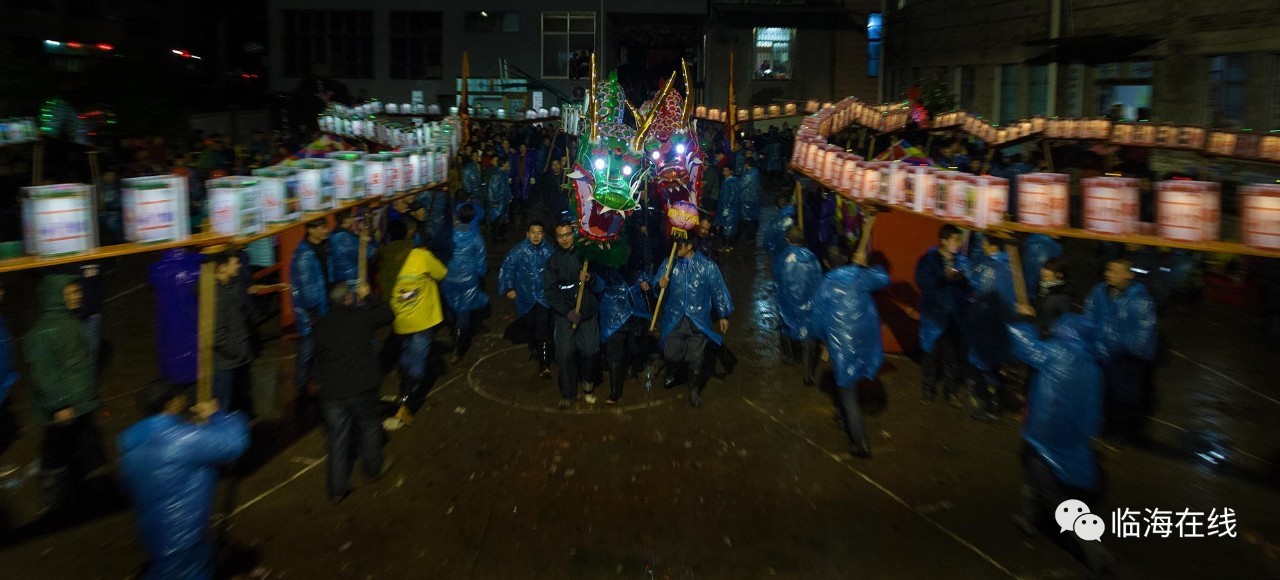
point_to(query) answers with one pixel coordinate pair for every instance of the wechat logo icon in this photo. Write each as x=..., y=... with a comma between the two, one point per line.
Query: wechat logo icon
x=1074, y=516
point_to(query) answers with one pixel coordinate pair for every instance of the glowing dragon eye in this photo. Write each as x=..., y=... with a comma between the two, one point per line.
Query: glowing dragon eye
x=657, y=155
x=599, y=164
x=626, y=170
x=680, y=149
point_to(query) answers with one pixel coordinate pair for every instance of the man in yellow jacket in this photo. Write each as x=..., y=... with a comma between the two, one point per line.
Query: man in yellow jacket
x=415, y=300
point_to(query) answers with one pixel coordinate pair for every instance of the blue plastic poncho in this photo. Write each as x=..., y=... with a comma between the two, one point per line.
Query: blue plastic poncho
x=439, y=223
x=522, y=271
x=1064, y=400
x=499, y=192
x=993, y=304
x=308, y=286
x=751, y=194
x=472, y=181
x=1126, y=324
x=845, y=317
x=619, y=302
x=344, y=253
x=467, y=267
x=8, y=372
x=773, y=155
x=1036, y=250
x=170, y=468
x=729, y=210
x=739, y=158
x=696, y=289
x=775, y=234
x=176, y=279
x=942, y=301
x=797, y=274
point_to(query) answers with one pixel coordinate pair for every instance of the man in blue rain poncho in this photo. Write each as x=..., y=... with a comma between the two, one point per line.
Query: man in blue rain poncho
x=310, y=273
x=520, y=279
x=1063, y=412
x=942, y=276
x=775, y=234
x=1125, y=316
x=499, y=197
x=750, y=198
x=1036, y=250
x=472, y=182
x=797, y=273
x=695, y=293
x=169, y=463
x=993, y=304
x=729, y=209
x=624, y=313
x=845, y=317
x=461, y=287
x=344, y=248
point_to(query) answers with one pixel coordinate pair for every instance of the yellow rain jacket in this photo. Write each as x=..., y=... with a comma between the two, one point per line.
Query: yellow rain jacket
x=415, y=299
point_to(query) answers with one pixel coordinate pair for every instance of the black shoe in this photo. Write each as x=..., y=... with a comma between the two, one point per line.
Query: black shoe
x=668, y=383
x=860, y=450
x=695, y=399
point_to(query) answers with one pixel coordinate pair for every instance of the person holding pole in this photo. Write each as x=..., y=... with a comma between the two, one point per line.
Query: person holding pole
x=994, y=302
x=942, y=277
x=309, y=275
x=846, y=319
x=576, y=326
x=698, y=293
x=797, y=274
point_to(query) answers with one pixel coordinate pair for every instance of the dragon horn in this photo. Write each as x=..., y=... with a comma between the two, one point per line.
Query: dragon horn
x=643, y=125
x=594, y=107
x=688, y=93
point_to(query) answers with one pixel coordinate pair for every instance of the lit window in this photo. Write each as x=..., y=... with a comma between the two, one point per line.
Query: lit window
x=773, y=52
x=568, y=39
x=875, y=31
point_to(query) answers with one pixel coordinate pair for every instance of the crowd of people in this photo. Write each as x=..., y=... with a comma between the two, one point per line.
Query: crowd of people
x=426, y=272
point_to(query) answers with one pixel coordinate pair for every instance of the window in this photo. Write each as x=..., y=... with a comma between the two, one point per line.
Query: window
x=1226, y=88
x=1037, y=90
x=416, y=44
x=485, y=21
x=875, y=29
x=568, y=39
x=1010, y=87
x=967, y=77
x=773, y=52
x=341, y=40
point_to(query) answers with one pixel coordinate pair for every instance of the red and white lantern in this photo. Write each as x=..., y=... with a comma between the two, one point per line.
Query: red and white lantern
x=1043, y=199
x=921, y=190
x=1188, y=211
x=1260, y=216
x=1110, y=204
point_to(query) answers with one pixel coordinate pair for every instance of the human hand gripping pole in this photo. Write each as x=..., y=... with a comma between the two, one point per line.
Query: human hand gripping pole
x=671, y=261
x=582, y=285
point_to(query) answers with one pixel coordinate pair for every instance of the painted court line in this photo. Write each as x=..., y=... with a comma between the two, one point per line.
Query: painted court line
x=1224, y=376
x=841, y=460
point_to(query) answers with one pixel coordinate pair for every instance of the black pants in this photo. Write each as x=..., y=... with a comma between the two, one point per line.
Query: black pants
x=624, y=349
x=231, y=387
x=76, y=446
x=575, y=352
x=342, y=417
x=685, y=345
x=950, y=348
x=1042, y=492
x=1125, y=396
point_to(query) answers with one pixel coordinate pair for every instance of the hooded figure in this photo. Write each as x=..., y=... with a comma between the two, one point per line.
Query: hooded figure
x=170, y=467
x=797, y=274
x=751, y=194
x=993, y=304
x=499, y=197
x=415, y=300
x=775, y=234
x=1064, y=400
x=729, y=208
x=1036, y=250
x=467, y=267
x=942, y=277
x=845, y=317
x=472, y=183
x=694, y=290
x=622, y=308
x=1126, y=324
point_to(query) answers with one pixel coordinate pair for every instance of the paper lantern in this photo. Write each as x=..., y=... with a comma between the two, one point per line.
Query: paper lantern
x=983, y=201
x=850, y=175
x=1222, y=143
x=1166, y=135
x=744, y=114
x=408, y=171
x=1188, y=211
x=58, y=219
x=235, y=207
x=757, y=112
x=315, y=185
x=892, y=183
x=774, y=110
x=871, y=176
x=1269, y=149
x=375, y=174
x=1260, y=216
x=1043, y=199
x=811, y=107
x=1110, y=204
x=830, y=156
x=790, y=108
x=944, y=186
x=921, y=189
x=348, y=176
x=700, y=111
x=155, y=208
x=278, y=187
x=1122, y=133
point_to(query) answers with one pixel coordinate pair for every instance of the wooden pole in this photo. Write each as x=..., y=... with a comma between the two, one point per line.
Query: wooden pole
x=731, y=119
x=865, y=242
x=986, y=165
x=1019, y=282
x=798, y=194
x=208, y=320
x=662, y=294
x=362, y=259
x=582, y=286
x=1048, y=153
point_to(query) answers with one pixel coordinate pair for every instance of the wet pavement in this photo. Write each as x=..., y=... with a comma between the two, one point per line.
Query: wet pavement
x=494, y=482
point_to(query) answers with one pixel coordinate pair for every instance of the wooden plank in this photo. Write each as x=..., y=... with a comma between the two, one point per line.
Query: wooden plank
x=1220, y=247
x=207, y=324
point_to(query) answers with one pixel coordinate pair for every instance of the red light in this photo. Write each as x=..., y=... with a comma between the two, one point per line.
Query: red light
x=1182, y=179
x=74, y=45
x=105, y=46
x=186, y=54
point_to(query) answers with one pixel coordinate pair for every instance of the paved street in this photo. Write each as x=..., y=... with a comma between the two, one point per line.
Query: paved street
x=493, y=482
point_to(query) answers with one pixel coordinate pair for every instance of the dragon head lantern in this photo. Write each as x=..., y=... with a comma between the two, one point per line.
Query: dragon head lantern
x=607, y=173
x=675, y=158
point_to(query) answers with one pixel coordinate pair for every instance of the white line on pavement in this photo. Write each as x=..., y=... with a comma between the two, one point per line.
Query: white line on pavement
x=841, y=460
x=1223, y=375
x=126, y=292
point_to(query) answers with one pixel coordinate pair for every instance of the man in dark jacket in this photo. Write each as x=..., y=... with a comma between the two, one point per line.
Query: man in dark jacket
x=1053, y=297
x=548, y=201
x=64, y=390
x=576, y=327
x=349, y=377
x=941, y=275
x=233, y=339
